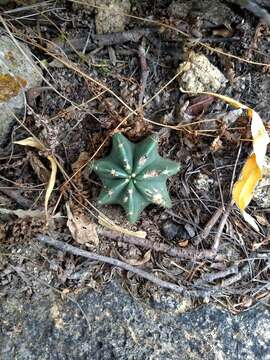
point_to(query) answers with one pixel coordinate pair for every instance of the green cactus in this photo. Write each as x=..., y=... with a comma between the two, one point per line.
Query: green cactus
x=134, y=175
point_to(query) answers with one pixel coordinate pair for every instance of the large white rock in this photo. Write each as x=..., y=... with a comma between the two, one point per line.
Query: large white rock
x=197, y=74
x=18, y=73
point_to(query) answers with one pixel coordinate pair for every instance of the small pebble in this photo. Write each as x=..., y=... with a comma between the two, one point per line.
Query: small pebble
x=172, y=231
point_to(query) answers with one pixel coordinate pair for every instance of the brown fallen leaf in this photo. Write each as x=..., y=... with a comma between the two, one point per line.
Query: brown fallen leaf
x=82, y=229
x=3, y=233
x=199, y=105
x=262, y=220
x=247, y=301
x=223, y=32
x=39, y=168
x=81, y=161
x=216, y=144
x=183, y=243
x=136, y=262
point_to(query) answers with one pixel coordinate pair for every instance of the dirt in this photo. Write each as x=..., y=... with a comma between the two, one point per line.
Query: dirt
x=62, y=116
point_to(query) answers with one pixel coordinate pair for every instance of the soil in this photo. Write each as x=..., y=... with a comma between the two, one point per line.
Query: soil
x=76, y=112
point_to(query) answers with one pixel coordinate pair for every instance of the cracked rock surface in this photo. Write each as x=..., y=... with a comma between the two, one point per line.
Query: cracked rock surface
x=122, y=327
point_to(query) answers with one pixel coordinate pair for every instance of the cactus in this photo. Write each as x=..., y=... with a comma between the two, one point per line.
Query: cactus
x=134, y=175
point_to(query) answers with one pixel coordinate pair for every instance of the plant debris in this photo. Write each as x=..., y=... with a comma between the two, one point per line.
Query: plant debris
x=100, y=79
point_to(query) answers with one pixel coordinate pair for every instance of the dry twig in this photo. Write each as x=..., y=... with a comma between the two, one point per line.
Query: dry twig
x=237, y=277
x=210, y=277
x=100, y=40
x=115, y=262
x=208, y=227
x=221, y=227
x=192, y=254
x=121, y=37
x=144, y=71
x=16, y=196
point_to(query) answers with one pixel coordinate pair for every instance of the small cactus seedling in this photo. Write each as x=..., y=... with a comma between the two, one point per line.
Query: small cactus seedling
x=134, y=175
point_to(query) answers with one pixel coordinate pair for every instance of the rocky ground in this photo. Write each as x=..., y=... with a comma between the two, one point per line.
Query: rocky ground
x=73, y=73
x=116, y=326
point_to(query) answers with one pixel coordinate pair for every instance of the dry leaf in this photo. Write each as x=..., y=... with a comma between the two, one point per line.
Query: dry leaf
x=39, y=168
x=247, y=301
x=79, y=164
x=216, y=144
x=35, y=143
x=260, y=137
x=262, y=220
x=183, y=243
x=32, y=142
x=82, y=229
x=135, y=262
x=234, y=103
x=81, y=161
x=64, y=294
x=51, y=182
x=244, y=187
x=253, y=168
x=107, y=223
x=199, y=105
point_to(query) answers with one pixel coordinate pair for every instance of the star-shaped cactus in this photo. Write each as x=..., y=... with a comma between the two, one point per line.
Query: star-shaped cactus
x=134, y=175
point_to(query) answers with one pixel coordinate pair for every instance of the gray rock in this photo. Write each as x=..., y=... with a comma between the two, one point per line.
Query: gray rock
x=255, y=8
x=110, y=14
x=124, y=328
x=197, y=74
x=256, y=96
x=213, y=12
x=18, y=73
x=217, y=12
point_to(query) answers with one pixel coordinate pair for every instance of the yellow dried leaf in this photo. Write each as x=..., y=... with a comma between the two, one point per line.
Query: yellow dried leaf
x=35, y=143
x=51, y=183
x=253, y=168
x=252, y=171
x=245, y=186
x=32, y=142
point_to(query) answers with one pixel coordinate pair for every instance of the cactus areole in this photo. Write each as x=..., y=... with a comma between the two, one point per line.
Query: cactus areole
x=134, y=175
